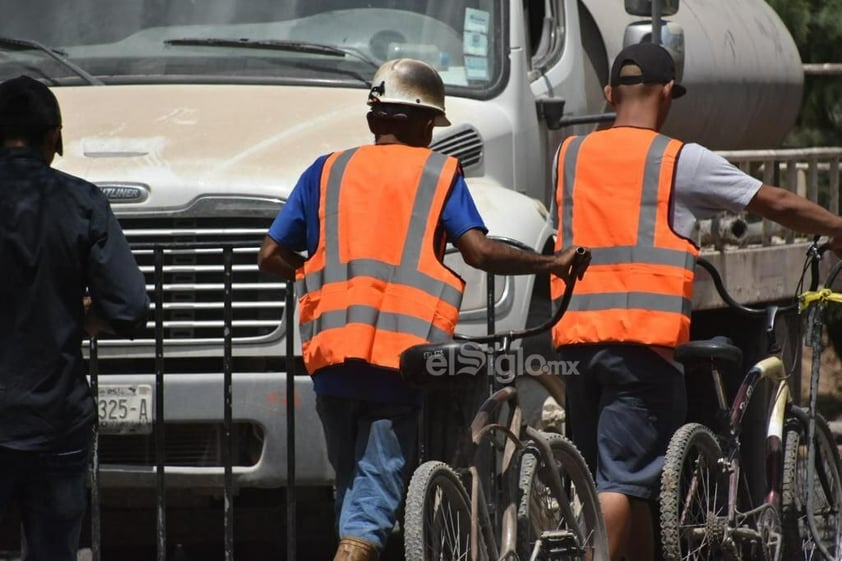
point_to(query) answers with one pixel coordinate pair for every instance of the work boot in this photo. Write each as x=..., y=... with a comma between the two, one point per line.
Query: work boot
x=355, y=549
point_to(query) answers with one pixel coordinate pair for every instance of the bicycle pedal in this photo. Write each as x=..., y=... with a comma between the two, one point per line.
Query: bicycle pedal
x=555, y=545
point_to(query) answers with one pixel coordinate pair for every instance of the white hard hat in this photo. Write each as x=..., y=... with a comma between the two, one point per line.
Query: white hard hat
x=407, y=81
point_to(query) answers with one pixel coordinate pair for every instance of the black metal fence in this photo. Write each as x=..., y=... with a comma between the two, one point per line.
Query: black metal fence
x=227, y=251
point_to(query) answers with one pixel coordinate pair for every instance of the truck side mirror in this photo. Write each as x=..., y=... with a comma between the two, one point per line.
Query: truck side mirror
x=672, y=39
x=551, y=111
x=643, y=8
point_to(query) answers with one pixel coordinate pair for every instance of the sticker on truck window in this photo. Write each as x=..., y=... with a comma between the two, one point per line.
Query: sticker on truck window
x=477, y=20
x=476, y=68
x=475, y=44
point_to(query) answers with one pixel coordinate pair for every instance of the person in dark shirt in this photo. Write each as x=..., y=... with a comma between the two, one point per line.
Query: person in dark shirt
x=66, y=268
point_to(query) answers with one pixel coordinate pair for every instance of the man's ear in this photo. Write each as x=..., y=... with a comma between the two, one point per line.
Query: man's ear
x=609, y=94
x=666, y=92
x=53, y=144
x=372, y=126
x=428, y=133
x=59, y=142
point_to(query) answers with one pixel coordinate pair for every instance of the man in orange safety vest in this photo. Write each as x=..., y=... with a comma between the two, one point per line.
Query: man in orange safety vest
x=374, y=221
x=633, y=196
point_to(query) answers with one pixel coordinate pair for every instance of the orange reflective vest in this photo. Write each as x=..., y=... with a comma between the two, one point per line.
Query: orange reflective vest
x=375, y=284
x=613, y=193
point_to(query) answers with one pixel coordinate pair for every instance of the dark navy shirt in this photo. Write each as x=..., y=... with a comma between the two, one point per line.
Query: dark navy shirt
x=58, y=238
x=297, y=228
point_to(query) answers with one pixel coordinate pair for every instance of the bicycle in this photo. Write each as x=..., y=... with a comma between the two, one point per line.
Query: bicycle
x=550, y=510
x=706, y=508
x=812, y=498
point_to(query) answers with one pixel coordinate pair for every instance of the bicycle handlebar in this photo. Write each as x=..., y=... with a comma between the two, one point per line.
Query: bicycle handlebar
x=578, y=259
x=723, y=292
x=814, y=255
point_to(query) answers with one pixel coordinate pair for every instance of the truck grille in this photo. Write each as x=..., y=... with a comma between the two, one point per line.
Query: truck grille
x=196, y=445
x=193, y=276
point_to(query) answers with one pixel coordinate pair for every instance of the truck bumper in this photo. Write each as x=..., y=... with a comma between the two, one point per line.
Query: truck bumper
x=259, y=402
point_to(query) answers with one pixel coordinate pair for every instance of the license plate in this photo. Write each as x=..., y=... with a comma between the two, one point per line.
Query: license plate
x=125, y=409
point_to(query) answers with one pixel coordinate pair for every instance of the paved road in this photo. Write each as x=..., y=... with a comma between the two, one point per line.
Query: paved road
x=312, y=550
x=128, y=534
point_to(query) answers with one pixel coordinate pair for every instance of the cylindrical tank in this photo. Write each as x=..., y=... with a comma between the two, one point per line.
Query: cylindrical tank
x=741, y=68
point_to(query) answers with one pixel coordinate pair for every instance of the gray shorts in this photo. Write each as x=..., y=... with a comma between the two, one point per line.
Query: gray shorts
x=622, y=408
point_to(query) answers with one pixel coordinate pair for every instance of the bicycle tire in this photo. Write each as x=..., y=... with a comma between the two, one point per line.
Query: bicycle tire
x=536, y=510
x=437, y=520
x=798, y=539
x=691, y=464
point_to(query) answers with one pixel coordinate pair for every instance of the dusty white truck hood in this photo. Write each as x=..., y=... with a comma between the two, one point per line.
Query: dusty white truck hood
x=186, y=141
x=182, y=142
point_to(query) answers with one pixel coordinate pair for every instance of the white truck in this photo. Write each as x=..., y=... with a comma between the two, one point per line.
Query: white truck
x=196, y=118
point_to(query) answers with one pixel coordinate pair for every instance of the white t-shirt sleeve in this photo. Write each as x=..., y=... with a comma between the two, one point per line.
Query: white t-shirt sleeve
x=706, y=184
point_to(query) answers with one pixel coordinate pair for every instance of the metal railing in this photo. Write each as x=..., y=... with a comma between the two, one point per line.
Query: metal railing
x=227, y=254
x=810, y=172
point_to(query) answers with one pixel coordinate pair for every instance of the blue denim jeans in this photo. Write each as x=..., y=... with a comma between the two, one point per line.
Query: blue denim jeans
x=372, y=448
x=52, y=493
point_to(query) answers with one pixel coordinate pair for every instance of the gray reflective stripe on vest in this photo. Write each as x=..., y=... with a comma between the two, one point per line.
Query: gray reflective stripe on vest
x=649, y=196
x=571, y=157
x=331, y=206
x=631, y=301
x=406, y=273
x=380, y=271
x=367, y=315
x=621, y=254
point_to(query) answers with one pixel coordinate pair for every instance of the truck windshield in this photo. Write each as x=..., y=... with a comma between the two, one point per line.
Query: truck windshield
x=320, y=42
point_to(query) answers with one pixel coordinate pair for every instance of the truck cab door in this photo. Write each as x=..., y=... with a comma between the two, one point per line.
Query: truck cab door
x=568, y=55
x=567, y=66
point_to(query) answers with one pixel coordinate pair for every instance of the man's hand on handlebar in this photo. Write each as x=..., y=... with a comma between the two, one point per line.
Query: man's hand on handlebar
x=571, y=263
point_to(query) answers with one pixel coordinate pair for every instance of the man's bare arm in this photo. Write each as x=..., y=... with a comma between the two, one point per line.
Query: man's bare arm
x=797, y=213
x=278, y=260
x=492, y=256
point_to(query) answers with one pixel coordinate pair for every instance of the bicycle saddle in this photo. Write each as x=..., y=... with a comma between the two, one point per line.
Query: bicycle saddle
x=442, y=364
x=718, y=350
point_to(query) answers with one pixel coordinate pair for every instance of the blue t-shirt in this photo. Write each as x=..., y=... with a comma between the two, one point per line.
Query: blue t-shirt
x=297, y=228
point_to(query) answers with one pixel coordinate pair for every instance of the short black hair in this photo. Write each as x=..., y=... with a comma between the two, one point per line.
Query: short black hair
x=28, y=110
x=33, y=137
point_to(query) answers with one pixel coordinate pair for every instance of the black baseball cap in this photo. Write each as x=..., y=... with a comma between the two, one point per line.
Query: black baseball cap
x=28, y=103
x=655, y=63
